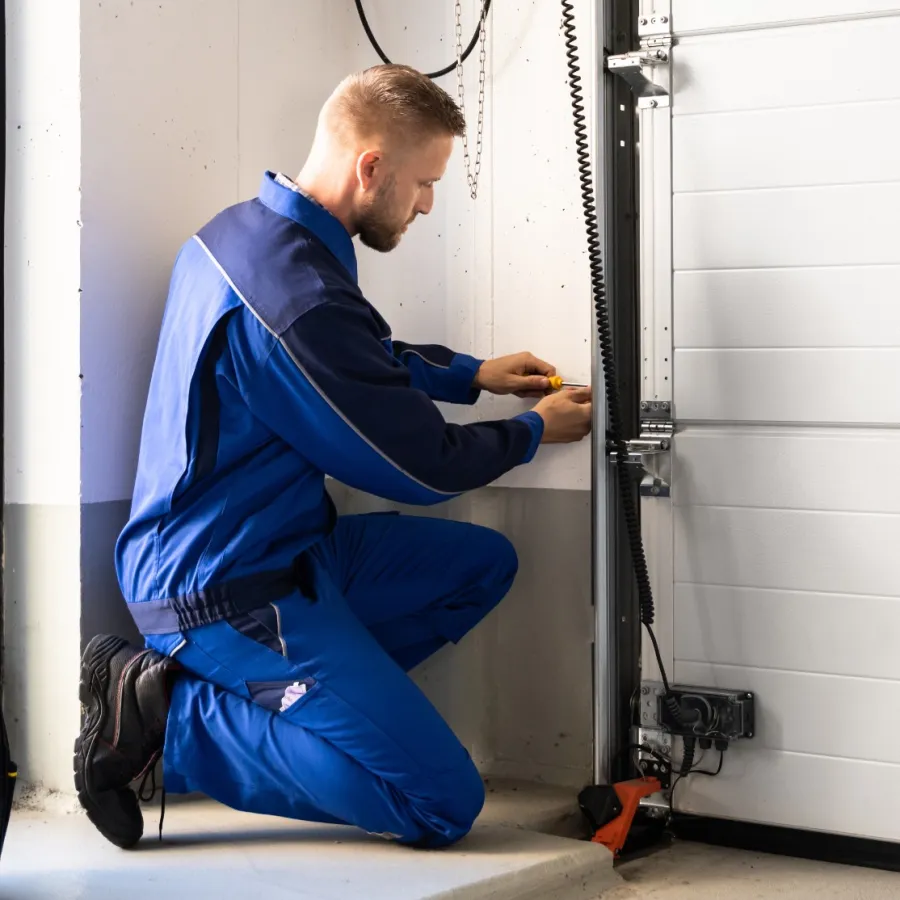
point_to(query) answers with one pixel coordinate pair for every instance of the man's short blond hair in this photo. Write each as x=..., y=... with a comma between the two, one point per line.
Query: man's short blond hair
x=394, y=102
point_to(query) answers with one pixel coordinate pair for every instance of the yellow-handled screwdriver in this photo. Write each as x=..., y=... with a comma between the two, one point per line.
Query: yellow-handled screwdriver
x=557, y=384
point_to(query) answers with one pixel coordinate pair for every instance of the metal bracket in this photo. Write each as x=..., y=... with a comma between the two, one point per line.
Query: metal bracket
x=630, y=67
x=659, y=744
x=653, y=486
x=654, y=24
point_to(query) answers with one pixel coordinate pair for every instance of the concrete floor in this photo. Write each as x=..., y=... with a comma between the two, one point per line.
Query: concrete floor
x=213, y=852
x=697, y=872
x=210, y=851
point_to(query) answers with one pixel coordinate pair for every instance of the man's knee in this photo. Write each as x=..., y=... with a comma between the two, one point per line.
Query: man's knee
x=498, y=561
x=452, y=812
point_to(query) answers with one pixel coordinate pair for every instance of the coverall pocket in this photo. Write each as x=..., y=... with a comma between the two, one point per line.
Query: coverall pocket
x=282, y=696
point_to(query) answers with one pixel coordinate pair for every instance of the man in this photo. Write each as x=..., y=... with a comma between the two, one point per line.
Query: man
x=279, y=635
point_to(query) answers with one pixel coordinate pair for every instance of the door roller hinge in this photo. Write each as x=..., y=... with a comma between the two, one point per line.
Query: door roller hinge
x=655, y=437
x=656, y=434
x=657, y=430
x=630, y=67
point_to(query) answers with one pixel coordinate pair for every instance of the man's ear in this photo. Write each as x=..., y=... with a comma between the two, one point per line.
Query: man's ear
x=367, y=166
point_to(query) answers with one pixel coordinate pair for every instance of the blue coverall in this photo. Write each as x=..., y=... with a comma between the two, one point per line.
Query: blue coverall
x=295, y=627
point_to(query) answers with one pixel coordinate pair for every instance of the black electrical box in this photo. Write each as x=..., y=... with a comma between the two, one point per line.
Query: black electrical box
x=710, y=713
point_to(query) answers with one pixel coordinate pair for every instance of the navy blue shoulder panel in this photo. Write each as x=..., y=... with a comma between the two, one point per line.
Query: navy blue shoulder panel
x=280, y=269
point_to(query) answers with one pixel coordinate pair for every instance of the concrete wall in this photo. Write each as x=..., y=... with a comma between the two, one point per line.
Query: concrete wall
x=507, y=271
x=42, y=385
x=162, y=114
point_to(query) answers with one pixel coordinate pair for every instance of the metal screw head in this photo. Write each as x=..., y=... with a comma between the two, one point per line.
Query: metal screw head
x=645, y=690
x=664, y=19
x=665, y=405
x=653, y=103
x=653, y=20
x=643, y=20
x=645, y=405
x=654, y=490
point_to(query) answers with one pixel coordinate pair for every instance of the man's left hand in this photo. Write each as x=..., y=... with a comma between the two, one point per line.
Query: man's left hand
x=522, y=374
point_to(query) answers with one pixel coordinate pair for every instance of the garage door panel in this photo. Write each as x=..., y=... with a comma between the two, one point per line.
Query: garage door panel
x=805, y=551
x=819, y=307
x=844, y=225
x=779, y=572
x=833, y=386
x=793, y=710
x=789, y=147
x=706, y=15
x=779, y=68
x=796, y=790
x=811, y=469
x=842, y=634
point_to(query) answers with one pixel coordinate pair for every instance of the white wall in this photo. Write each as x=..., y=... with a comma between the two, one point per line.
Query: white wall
x=186, y=103
x=42, y=387
x=43, y=210
x=509, y=271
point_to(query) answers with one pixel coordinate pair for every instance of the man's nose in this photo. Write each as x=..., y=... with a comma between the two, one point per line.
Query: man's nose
x=425, y=204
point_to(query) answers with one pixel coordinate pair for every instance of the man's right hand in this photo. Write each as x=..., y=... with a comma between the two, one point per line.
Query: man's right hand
x=566, y=415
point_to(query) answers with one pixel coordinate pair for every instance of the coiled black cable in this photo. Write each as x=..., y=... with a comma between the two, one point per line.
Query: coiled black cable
x=485, y=8
x=615, y=436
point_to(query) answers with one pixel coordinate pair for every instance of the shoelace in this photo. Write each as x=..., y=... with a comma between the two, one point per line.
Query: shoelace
x=149, y=773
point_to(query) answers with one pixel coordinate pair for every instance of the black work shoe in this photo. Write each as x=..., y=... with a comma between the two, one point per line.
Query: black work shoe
x=125, y=700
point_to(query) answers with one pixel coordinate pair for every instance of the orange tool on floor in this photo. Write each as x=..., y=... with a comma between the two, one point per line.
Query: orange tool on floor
x=620, y=812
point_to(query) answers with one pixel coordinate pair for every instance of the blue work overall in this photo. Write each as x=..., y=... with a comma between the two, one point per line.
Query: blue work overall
x=295, y=628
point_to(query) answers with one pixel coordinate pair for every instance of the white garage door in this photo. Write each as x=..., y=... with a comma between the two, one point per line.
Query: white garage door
x=771, y=291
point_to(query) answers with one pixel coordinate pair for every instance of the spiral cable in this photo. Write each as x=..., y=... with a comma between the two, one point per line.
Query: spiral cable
x=615, y=437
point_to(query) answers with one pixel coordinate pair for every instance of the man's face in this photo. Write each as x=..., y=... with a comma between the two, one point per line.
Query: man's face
x=396, y=190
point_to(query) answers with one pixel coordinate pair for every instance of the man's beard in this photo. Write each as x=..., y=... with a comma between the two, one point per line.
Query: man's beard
x=377, y=228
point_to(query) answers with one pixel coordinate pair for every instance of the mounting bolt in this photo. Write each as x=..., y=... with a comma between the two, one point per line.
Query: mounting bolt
x=645, y=405
x=643, y=20
x=665, y=405
x=655, y=490
x=653, y=20
x=664, y=19
x=645, y=691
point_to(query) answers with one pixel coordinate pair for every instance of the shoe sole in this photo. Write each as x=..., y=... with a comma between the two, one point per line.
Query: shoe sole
x=92, y=691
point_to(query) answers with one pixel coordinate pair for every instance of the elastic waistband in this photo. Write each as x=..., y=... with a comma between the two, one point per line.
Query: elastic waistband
x=221, y=601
